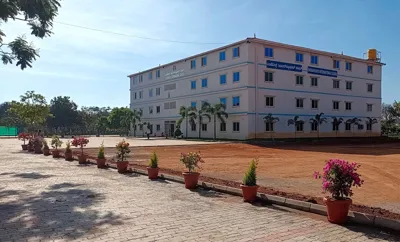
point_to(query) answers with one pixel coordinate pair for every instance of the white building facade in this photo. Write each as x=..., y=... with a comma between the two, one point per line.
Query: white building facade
x=255, y=78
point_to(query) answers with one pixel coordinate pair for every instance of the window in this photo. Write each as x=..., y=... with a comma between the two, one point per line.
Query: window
x=193, y=85
x=369, y=87
x=169, y=105
x=173, y=68
x=193, y=64
x=348, y=126
x=314, y=126
x=314, y=59
x=236, y=52
x=336, y=84
x=335, y=105
x=349, y=85
x=150, y=92
x=158, y=91
x=299, y=57
x=314, y=81
x=193, y=126
x=268, y=76
x=151, y=110
x=150, y=75
x=140, y=94
x=158, y=74
x=193, y=104
x=370, y=69
x=204, y=82
x=335, y=127
x=369, y=126
x=348, y=105
x=222, y=79
x=269, y=52
x=204, y=61
x=236, y=101
x=269, y=101
x=299, y=102
x=336, y=64
x=158, y=127
x=349, y=66
x=236, y=126
x=269, y=127
x=314, y=104
x=222, y=127
x=299, y=80
x=158, y=109
x=236, y=76
x=369, y=107
x=135, y=95
x=222, y=56
x=300, y=127
x=203, y=127
x=222, y=100
x=140, y=78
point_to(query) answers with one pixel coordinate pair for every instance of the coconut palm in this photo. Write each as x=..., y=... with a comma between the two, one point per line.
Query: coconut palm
x=296, y=122
x=136, y=116
x=269, y=119
x=218, y=112
x=336, y=123
x=371, y=121
x=186, y=115
x=200, y=115
x=353, y=122
x=318, y=120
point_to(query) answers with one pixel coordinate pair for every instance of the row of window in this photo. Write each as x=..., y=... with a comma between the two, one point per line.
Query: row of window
x=299, y=57
x=270, y=102
x=222, y=127
x=222, y=80
x=269, y=127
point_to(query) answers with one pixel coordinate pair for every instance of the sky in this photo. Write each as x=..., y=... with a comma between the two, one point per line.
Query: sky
x=92, y=67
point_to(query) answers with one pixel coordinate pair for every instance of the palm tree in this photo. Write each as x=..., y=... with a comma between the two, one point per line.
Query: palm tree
x=141, y=125
x=296, y=122
x=186, y=115
x=269, y=119
x=218, y=112
x=200, y=115
x=371, y=121
x=318, y=120
x=353, y=122
x=136, y=116
x=336, y=123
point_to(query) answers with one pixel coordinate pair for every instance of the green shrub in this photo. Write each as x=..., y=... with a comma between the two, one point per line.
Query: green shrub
x=250, y=178
x=153, y=160
x=178, y=133
x=100, y=155
x=56, y=142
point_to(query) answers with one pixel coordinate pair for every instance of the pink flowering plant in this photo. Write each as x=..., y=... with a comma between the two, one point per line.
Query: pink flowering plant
x=191, y=160
x=339, y=177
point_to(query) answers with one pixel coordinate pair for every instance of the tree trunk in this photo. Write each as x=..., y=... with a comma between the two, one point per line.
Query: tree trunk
x=199, y=127
x=318, y=133
x=186, y=127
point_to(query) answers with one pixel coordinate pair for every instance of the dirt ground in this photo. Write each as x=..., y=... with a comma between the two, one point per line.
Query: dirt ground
x=290, y=168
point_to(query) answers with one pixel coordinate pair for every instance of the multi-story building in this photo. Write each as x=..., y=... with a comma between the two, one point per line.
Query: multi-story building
x=256, y=77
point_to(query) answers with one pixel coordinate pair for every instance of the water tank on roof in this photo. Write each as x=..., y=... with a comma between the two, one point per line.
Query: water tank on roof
x=372, y=54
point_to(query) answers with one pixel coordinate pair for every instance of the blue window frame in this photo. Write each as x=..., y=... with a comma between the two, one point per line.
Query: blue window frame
x=370, y=70
x=222, y=56
x=348, y=66
x=193, y=104
x=204, y=82
x=236, y=52
x=193, y=64
x=150, y=92
x=314, y=59
x=222, y=100
x=222, y=79
x=299, y=57
x=336, y=64
x=236, y=76
x=158, y=74
x=269, y=52
x=193, y=85
x=204, y=61
x=236, y=101
x=150, y=75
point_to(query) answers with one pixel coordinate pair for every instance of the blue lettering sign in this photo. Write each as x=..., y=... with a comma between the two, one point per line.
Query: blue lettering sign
x=322, y=72
x=284, y=66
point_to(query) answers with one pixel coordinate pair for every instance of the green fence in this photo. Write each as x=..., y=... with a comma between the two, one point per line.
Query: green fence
x=8, y=131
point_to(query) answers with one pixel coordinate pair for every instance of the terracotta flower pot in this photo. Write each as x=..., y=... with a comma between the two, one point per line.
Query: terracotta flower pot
x=152, y=172
x=24, y=147
x=38, y=149
x=82, y=158
x=46, y=151
x=30, y=148
x=122, y=166
x=191, y=179
x=68, y=156
x=56, y=153
x=249, y=192
x=101, y=162
x=337, y=209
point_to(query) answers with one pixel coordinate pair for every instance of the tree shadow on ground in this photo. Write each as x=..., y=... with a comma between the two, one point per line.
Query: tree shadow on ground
x=63, y=212
x=32, y=175
x=208, y=193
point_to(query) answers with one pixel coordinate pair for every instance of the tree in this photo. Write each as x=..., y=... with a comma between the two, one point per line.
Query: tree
x=318, y=120
x=4, y=109
x=65, y=113
x=141, y=124
x=336, y=123
x=126, y=122
x=39, y=15
x=32, y=109
x=187, y=115
x=200, y=115
x=271, y=120
x=371, y=122
x=101, y=125
x=136, y=116
x=296, y=122
x=353, y=122
x=218, y=112
x=120, y=119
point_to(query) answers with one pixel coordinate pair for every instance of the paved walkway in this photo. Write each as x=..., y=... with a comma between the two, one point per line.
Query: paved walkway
x=45, y=199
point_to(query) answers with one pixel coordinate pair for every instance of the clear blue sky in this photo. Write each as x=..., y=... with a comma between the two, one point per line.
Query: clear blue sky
x=91, y=67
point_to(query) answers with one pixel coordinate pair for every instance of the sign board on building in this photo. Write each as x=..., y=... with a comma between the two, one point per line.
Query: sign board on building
x=321, y=72
x=174, y=74
x=284, y=66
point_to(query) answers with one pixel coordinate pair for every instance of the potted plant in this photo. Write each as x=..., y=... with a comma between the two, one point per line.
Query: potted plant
x=68, y=152
x=37, y=145
x=30, y=145
x=101, y=159
x=46, y=149
x=122, y=153
x=249, y=186
x=56, y=143
x=152, y=169
x=338, y=178
x=81, y=142
x=24, y=137
x=191, y=161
